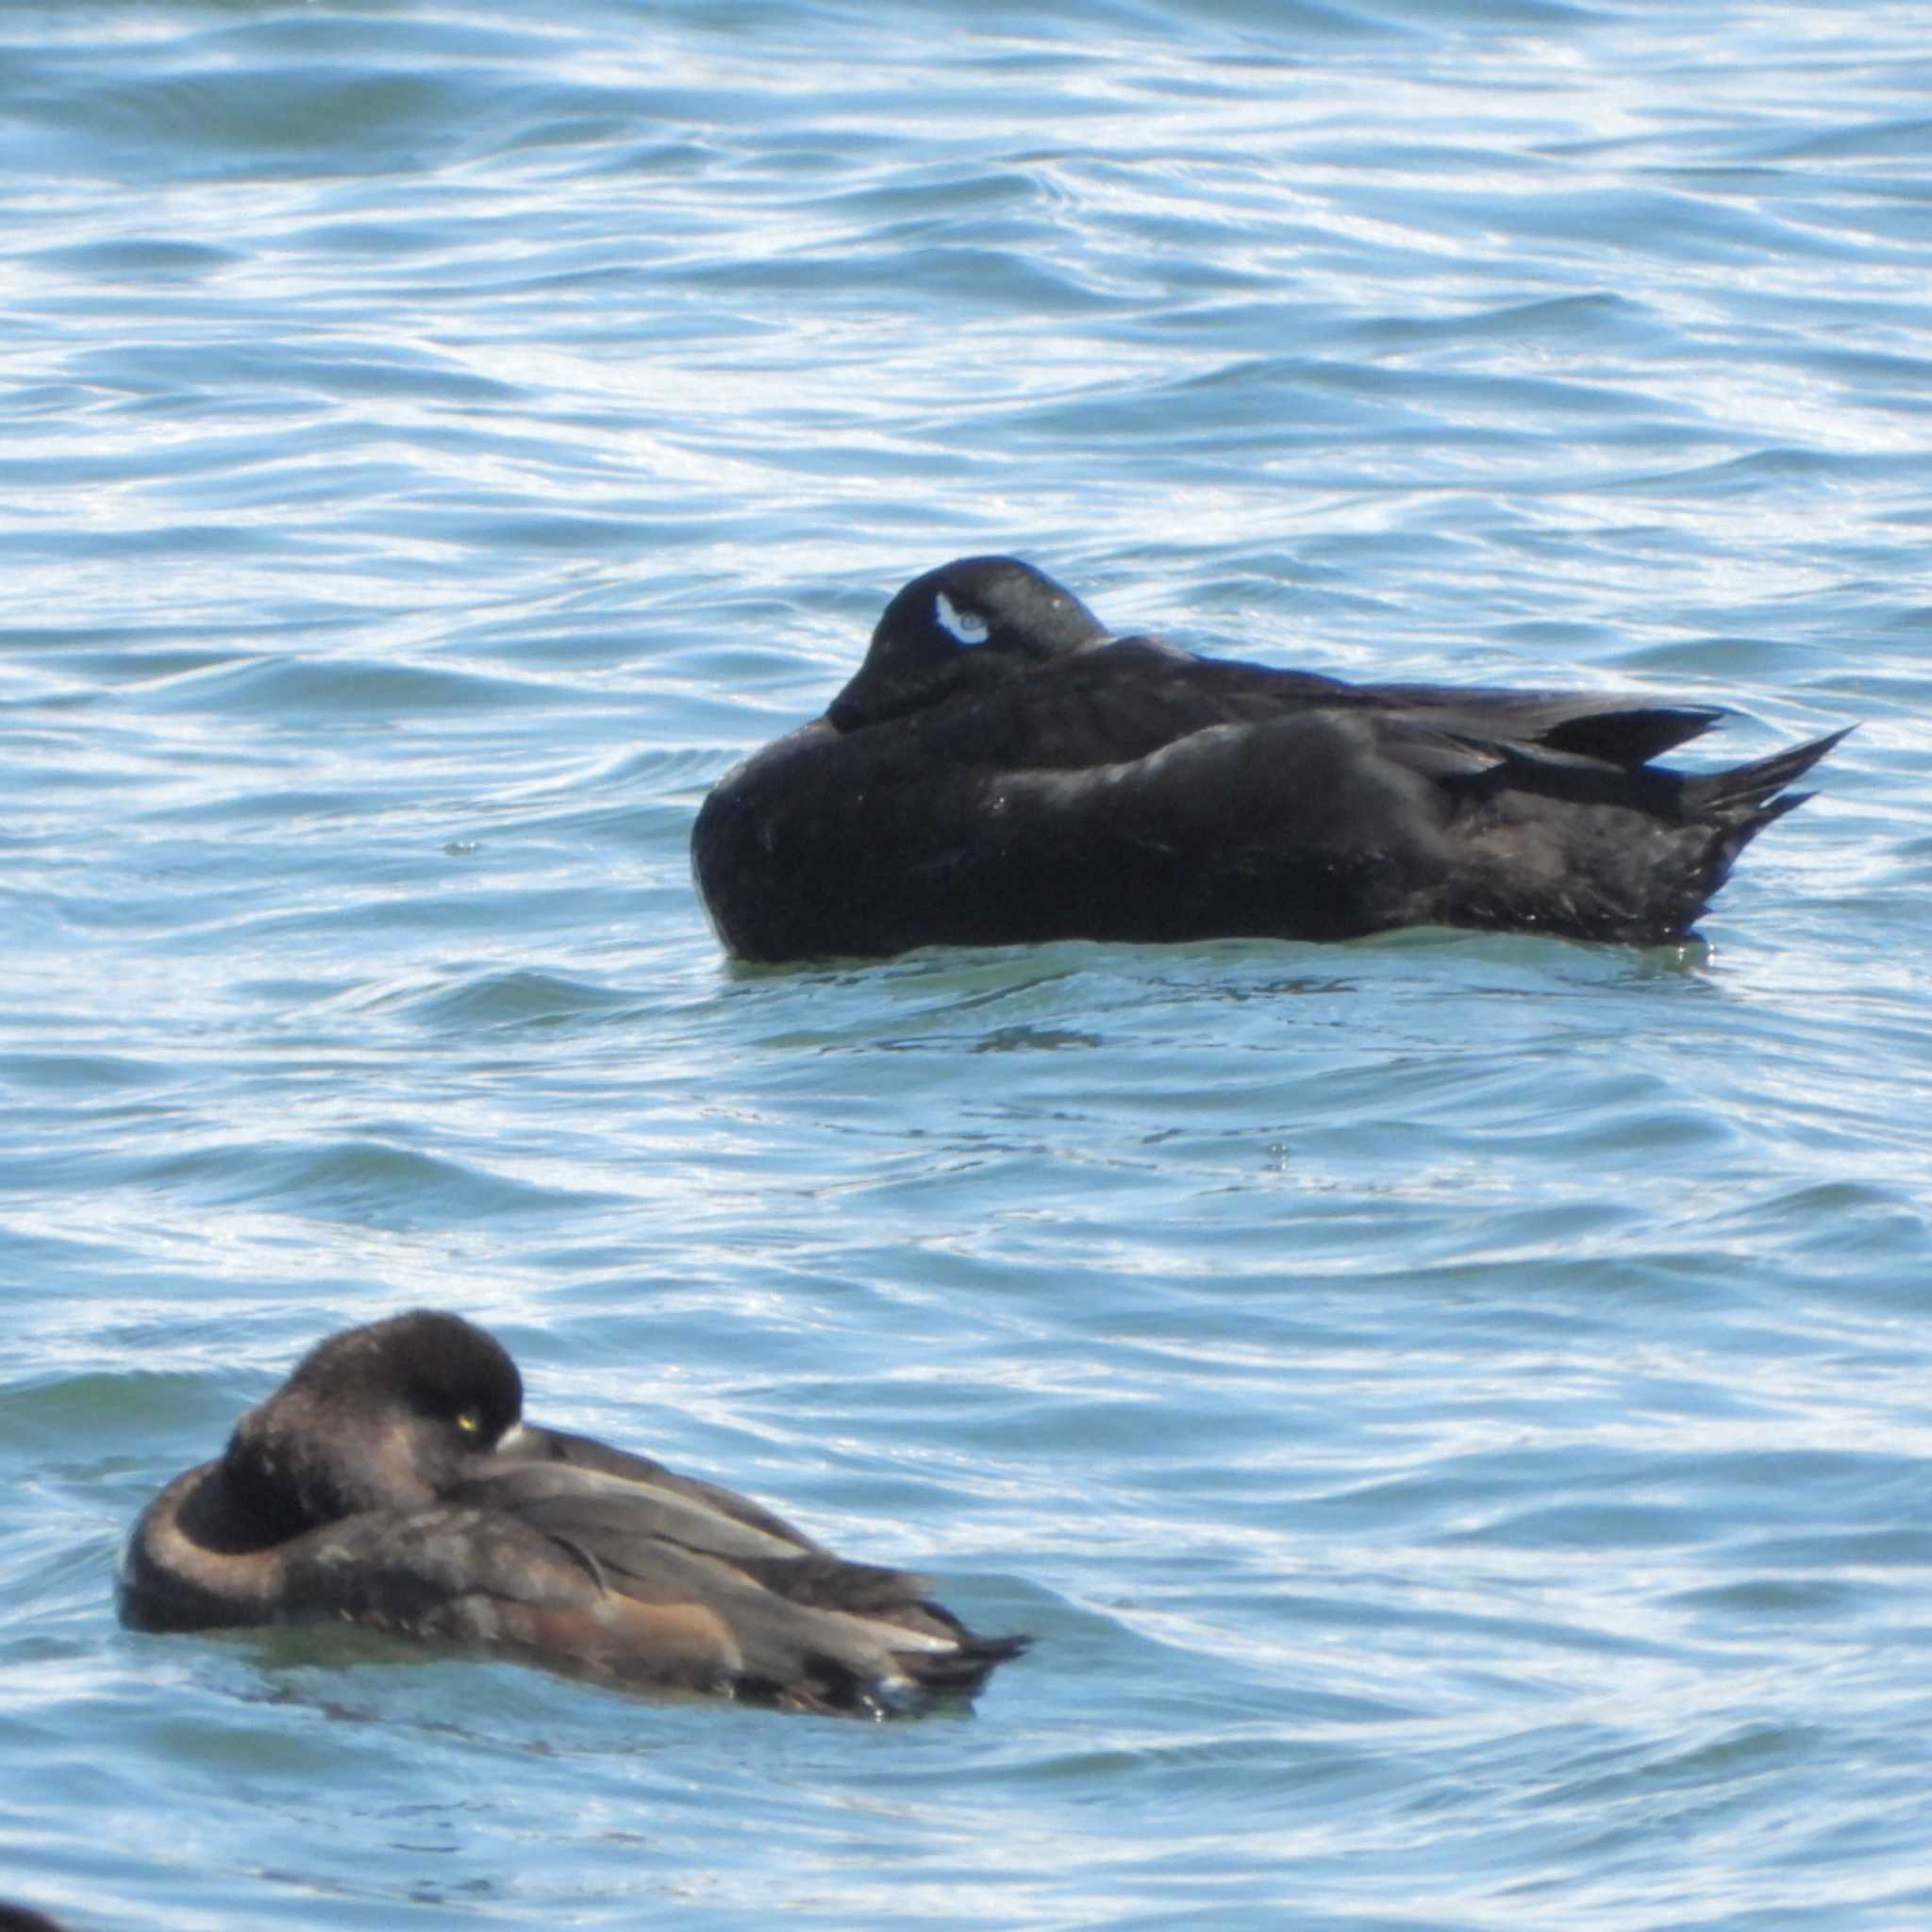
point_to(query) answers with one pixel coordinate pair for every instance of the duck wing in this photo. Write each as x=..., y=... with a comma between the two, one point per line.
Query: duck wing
x=582, y=1571
x=1131, y=698
x=1347, y=820
x=804, y=1627
x=534, y=1443
x=1623, y=731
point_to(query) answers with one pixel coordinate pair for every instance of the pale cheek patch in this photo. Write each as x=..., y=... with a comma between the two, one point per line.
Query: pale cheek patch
x=963, y=626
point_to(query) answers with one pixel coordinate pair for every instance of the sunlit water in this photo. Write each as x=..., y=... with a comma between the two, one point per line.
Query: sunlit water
x=1454, y=1411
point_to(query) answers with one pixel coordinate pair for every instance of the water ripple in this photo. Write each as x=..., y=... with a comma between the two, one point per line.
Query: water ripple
x=1450, y=1408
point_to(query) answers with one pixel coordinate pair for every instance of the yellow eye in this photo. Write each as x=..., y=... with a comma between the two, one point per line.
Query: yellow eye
x=471, y=1422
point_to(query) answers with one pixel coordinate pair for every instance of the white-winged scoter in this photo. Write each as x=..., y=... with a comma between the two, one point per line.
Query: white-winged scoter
x=1002, y=769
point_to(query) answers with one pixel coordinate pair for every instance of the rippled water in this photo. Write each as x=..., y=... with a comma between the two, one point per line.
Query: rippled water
x=1454, y=1409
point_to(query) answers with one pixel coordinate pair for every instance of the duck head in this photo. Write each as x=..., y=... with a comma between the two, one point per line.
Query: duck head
x=967, y=626
x=388, y=1416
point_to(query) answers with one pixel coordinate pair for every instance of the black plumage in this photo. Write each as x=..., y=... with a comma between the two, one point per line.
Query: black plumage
x=1001, y=769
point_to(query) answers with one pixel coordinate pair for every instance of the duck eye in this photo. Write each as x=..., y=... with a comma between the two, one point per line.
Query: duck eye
x=470, y=1421
x=962, y=627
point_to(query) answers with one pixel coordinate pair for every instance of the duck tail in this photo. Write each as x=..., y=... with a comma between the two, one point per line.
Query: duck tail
x=960, y=1675
x=1749, y=797
x=1733, y=807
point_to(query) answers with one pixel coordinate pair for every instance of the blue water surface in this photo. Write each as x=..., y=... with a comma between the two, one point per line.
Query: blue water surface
x=1453, y=1409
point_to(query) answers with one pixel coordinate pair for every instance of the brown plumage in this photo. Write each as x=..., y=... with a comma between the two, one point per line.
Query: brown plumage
x=390, y=1483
